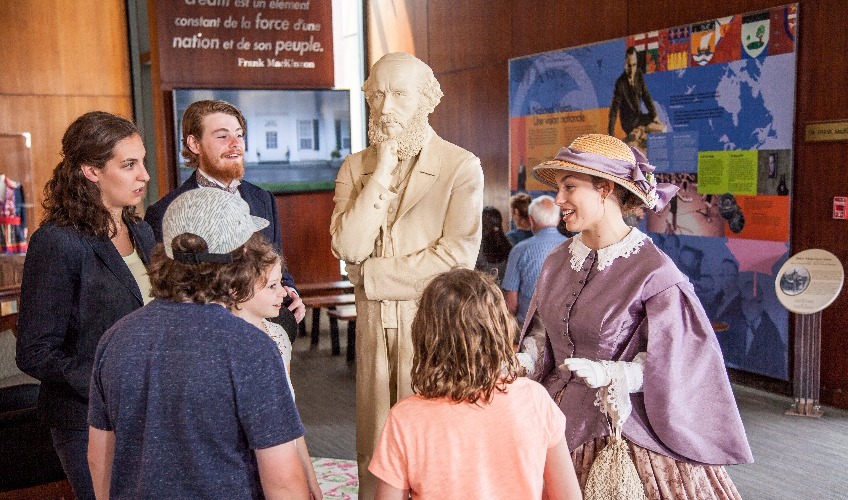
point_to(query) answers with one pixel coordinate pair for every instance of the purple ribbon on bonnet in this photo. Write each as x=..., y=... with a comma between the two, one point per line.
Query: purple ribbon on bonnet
x=640, y=173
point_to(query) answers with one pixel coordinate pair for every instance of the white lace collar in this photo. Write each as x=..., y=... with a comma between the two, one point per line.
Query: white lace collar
x=628, y=246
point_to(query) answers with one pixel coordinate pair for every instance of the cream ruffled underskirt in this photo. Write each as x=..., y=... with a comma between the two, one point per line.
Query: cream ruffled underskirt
x=664, y=478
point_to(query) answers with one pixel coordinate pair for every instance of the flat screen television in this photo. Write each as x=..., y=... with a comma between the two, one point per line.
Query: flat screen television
x=296, y=139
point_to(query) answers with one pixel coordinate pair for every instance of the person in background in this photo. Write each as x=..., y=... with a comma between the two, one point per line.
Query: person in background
x=267, y=302
x=519, y=205
x=213, y=144
x=85, y=269
x=614, y=321
x=186, y=399
x=474, y=429
x=494, y=246
x=526, y=258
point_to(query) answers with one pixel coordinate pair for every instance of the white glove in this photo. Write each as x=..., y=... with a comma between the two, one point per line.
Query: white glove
x=598, y=374
x=592, y=372
x=617, y=379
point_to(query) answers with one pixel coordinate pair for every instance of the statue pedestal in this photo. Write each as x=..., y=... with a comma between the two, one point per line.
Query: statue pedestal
x=806, y=284
x=805, y=387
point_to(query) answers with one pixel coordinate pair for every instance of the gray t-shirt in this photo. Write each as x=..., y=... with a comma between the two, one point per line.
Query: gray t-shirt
x=189, y=391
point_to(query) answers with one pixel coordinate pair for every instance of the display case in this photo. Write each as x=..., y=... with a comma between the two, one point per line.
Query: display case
x=16, y=193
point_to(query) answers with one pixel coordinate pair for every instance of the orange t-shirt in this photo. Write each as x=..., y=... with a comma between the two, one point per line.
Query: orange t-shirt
x=439, y=449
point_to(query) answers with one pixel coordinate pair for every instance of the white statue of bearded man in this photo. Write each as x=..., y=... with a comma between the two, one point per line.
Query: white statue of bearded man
x=406, y=209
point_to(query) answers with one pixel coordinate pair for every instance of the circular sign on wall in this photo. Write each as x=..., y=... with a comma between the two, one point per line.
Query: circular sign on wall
x=809, y=281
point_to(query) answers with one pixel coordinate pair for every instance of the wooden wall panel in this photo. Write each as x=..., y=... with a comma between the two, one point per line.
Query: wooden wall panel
x=821, y=172
x=472, y=98
x=307, y=215
x=465, y=48
x=396, y=26
x=60, y=60
x=67, y=47
x=543, y=25
x=471, y=33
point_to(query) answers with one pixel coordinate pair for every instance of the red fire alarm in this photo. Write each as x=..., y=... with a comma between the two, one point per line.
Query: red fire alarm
x=840, y=203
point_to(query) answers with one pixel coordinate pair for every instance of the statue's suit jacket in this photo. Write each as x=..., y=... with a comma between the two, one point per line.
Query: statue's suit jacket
x=436, y=229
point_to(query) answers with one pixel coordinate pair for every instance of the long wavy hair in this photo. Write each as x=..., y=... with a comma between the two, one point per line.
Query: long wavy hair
x=462, y=339
x=494, y=245
x=70, y=199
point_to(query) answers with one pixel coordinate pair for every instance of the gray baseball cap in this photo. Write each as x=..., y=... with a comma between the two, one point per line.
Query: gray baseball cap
x=222, y=219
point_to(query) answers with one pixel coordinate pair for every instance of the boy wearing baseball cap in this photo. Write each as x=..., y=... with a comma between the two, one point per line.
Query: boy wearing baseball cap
x=187, y=400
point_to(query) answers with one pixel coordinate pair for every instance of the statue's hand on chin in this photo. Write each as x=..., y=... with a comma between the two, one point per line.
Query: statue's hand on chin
x=387, y=160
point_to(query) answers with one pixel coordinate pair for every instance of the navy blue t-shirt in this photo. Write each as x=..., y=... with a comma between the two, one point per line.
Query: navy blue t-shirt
x=189, y=391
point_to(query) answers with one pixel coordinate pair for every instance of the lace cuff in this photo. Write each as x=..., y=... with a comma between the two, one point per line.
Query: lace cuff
x=533, y=352
x=625, y=378
x=530, y=358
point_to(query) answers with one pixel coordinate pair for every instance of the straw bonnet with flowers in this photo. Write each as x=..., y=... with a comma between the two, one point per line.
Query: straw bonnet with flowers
x=609, y=158
x=610, y=330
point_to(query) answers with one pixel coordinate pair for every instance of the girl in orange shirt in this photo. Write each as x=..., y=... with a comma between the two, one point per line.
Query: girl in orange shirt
x=474, y=429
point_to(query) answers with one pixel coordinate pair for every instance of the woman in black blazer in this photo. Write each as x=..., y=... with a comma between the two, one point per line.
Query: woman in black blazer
x=84, y=270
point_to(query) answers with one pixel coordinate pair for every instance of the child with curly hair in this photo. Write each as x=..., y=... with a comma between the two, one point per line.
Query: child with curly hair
x=474, y=429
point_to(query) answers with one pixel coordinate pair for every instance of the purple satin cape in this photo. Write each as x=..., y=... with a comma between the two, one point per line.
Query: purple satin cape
x=639, y=303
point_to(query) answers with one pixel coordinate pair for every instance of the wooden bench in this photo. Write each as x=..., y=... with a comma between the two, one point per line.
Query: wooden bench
x=329, y=302
x=324, y=288
x=346, y=313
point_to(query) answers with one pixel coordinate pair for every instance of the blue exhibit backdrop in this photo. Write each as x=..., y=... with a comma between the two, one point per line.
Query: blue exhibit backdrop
x=712, y=105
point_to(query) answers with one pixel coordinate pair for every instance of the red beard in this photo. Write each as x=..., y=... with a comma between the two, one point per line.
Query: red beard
x=222, y=168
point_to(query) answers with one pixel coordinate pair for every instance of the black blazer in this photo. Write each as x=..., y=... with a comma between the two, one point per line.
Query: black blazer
x=261, y=202
x=74, y=288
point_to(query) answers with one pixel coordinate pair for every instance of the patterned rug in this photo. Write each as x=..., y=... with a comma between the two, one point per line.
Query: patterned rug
x=338, y=478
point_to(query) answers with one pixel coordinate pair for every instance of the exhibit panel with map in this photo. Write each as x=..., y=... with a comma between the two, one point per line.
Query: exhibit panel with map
x=712, y=105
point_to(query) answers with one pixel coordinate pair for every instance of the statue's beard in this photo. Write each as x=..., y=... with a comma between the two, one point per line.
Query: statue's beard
x=410, y=139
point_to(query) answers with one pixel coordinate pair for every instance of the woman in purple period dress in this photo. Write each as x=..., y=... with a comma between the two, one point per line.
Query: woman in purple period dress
x=615, y=329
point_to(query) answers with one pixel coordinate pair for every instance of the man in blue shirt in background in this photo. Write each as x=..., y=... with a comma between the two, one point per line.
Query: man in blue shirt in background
x=526, y=258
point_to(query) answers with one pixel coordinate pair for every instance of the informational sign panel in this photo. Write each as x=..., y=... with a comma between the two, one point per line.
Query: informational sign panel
x=809, y=281
x=712, y=105
x=244, y=43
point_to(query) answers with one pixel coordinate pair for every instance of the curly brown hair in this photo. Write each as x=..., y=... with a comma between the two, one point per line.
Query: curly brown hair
x=70, y=199
x=227, y=284
x=629, y=202
x=462, y=339
x=193, y=124
x=263, y=279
